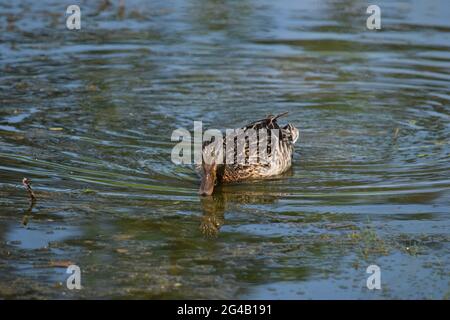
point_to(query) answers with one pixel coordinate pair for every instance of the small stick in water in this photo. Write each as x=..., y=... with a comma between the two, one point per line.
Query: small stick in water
x=27, y=184
x=396, y=132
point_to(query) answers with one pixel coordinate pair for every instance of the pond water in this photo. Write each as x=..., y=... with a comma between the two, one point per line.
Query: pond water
x=88, y=115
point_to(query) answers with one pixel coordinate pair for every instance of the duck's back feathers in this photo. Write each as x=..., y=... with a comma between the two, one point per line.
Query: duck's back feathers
x=243, y=156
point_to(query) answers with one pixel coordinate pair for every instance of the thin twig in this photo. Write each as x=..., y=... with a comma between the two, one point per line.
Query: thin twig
x=396, y=132
x=27, y=184
x=28, y=213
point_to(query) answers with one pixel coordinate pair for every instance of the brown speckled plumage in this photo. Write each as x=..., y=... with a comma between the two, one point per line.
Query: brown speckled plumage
x=278, y=159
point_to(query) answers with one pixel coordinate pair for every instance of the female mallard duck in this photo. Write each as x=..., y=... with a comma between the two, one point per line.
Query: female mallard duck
x=260, y=149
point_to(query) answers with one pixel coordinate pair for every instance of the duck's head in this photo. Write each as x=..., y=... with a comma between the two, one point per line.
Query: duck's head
x=209, y=178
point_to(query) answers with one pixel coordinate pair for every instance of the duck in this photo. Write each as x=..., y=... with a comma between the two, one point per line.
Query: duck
x=258, y=150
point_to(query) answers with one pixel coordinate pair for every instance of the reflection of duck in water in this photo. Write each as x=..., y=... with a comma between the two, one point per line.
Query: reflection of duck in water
x=215, y=206
x=213, y=215
x=265, y=150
